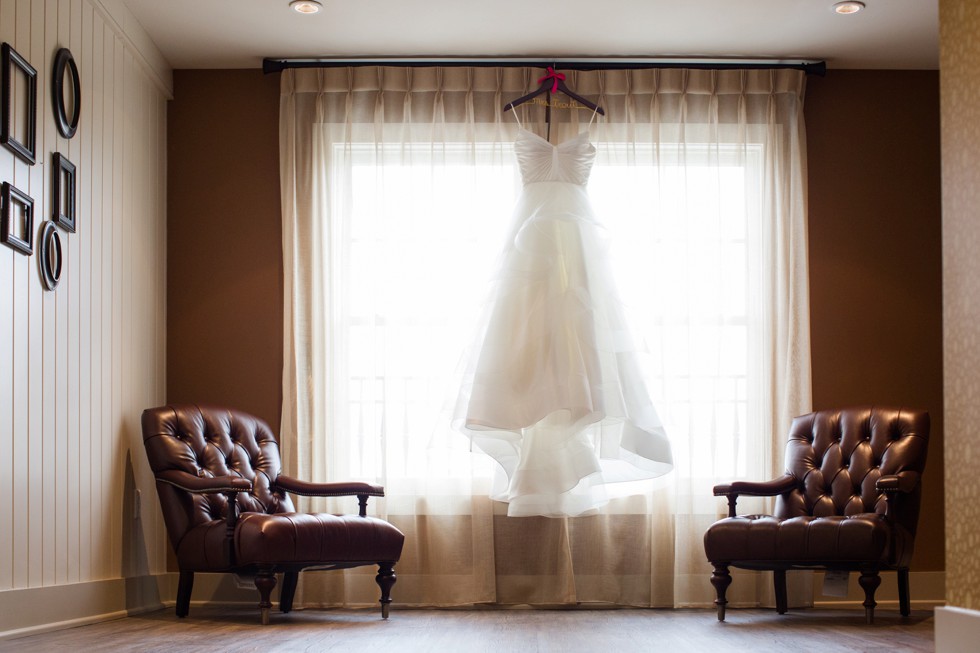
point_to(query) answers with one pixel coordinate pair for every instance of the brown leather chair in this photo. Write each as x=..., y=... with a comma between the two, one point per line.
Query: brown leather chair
x=849, y=501
x=208, y=459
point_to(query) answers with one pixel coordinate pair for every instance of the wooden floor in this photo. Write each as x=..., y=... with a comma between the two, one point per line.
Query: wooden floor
x=232, y=629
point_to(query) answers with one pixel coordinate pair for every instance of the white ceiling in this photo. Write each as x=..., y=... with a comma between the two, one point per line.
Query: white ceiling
x=239, y=33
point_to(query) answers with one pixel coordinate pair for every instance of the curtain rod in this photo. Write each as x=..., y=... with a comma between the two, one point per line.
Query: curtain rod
x=819, y=68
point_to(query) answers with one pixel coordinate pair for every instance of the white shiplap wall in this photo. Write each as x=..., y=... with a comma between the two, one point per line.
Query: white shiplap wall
x=78, y=365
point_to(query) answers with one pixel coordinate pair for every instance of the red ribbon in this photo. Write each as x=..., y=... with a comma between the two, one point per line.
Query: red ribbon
x=555, y=77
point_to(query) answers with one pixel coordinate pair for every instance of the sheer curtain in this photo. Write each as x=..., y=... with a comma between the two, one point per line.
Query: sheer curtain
x=397, y=189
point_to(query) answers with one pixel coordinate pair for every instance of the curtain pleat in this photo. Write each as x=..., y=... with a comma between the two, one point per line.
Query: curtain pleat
x=356, y=404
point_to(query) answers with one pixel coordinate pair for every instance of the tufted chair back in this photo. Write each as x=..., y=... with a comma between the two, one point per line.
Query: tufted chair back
x=211, y=442
x=838, y=456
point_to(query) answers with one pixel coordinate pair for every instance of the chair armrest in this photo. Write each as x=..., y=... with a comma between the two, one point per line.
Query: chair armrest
x=361, y=490
x=230, y=485
x=753, y=489
x=205, y=484
x=901, y=482
x=892, y=485
x=757, y=489
x=308, y=489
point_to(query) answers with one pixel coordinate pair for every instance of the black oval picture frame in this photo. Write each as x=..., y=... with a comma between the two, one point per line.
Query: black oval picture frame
x=63, y=61
x=50, y=249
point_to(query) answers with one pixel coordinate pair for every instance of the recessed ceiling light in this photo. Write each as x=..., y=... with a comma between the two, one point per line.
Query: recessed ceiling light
x=306, y=6
x=848, y=7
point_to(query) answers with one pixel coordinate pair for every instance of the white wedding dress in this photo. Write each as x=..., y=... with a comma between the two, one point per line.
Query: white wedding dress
x=552, y=389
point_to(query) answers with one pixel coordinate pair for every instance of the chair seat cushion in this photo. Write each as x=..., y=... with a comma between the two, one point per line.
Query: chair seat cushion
x=315, y=537
x=859, y=538
x=291, y=538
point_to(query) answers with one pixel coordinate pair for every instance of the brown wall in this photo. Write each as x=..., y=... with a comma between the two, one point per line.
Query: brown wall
x=224, y=243
x=875, y=255
x=874, y=249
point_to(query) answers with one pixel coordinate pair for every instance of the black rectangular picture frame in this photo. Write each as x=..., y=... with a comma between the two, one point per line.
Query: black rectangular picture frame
x=63, y=188
x=13, y=63
x=9, y=195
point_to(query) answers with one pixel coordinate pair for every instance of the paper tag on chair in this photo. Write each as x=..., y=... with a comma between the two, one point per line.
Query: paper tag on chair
x=245, y=581
x=835, y=583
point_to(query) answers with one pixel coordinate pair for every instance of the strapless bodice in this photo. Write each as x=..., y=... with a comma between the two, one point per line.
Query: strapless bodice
x=539, y=160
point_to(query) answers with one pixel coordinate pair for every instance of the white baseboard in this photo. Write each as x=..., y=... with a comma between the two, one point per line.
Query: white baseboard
x=957, y=630
x=35, y=610
x=927, y=590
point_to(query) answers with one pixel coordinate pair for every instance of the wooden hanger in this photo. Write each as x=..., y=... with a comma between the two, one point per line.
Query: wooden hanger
x=553, y=81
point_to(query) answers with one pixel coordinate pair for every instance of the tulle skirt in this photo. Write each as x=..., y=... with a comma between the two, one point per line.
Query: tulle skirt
x=552, y=387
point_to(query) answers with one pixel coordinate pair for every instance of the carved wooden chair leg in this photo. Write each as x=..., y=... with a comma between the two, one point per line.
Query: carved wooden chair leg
x=869, y=580
x=904, y=604
x=184, y=587
x=265, y=582
x=779, y=585
x=288, y=590
x=385, y=579
x=721, y=579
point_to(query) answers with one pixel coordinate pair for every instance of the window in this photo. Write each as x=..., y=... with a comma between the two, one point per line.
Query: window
x=419, y=231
